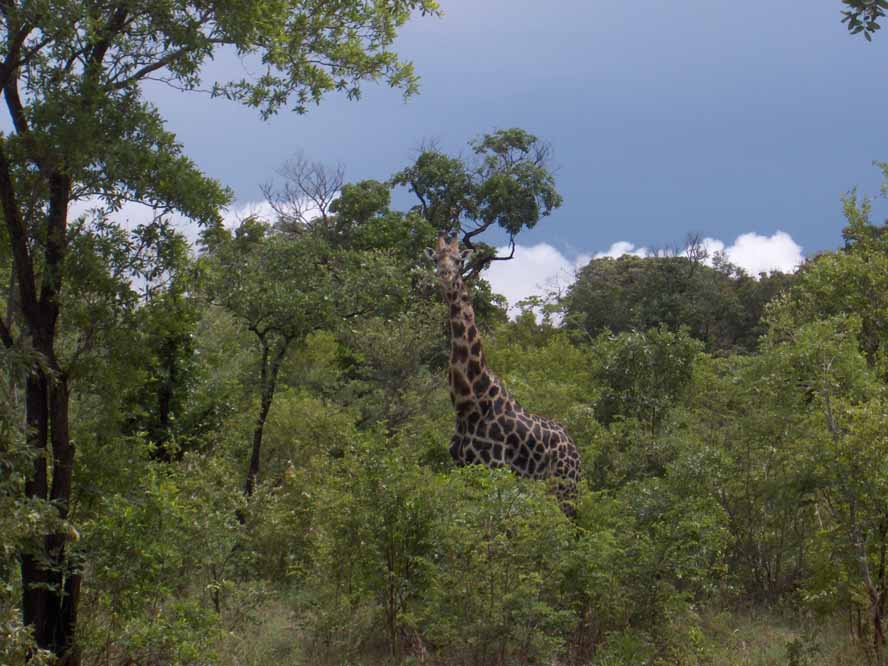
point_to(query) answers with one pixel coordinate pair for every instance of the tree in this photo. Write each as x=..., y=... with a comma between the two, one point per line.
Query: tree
x=719, y=304
x=830, y=328
x=842, y=402
x=643, y=374
x=509, y=185
x=308, y=190
x=852, y=280
x=71, y=76
x=282, y=289
x=166, y=320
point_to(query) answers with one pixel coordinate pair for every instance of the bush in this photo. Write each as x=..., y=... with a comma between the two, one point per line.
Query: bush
x=502, y=554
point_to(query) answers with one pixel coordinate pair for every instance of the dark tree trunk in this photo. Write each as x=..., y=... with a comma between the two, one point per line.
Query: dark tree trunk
x=165, y=396
x=269, y=374
x=50, y=584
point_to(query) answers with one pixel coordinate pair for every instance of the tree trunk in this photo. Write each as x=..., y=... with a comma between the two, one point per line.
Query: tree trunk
x=269, y=381
x=50, y=583
x=166, y=384
x=878, y=631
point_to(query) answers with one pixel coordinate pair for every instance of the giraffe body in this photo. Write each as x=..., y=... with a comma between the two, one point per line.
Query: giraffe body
x=492, y=429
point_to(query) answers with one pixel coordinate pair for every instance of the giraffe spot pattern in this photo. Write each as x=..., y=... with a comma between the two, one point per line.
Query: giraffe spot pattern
x=491, y=428
x=460, y=384
x=459, y=354
x=531, y=446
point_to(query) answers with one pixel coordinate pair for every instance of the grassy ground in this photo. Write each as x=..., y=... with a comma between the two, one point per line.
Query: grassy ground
x=767, y=639
x=720, y=639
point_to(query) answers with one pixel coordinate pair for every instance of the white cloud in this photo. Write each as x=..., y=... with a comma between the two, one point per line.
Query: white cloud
x=535, y=271
x=756, y=254
x=233, y=216
x=620, y=248
x=133, y=214
x=538, y=269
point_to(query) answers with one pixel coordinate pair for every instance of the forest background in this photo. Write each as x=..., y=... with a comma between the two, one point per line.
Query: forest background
x=237, y=452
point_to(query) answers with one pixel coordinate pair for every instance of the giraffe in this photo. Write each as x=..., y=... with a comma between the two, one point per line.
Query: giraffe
x=491, y=427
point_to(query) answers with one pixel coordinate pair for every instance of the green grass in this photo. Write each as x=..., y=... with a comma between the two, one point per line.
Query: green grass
x=749, y=638
x=770, y=639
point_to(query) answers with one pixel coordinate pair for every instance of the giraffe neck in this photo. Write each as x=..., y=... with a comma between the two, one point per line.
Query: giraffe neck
x=469, y=376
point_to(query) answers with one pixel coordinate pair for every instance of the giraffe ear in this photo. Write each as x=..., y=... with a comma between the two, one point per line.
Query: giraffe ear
x=465, y=255
x=429, y=253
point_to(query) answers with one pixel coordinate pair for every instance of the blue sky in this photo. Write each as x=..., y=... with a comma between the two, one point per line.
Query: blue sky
x=666, y=117
x=742, y=121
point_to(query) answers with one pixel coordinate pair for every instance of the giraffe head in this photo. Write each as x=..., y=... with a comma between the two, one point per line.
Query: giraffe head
x=449, y=259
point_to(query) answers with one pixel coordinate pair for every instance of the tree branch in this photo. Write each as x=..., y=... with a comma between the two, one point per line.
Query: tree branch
x=15, y=106
x=156, y=65
x=12, y=60
x=469, y=235
x=56, y=244
x=115, y=23
x=511, y=254
x=18, y=235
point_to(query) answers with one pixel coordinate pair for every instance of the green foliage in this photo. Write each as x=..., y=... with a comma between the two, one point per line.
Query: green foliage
x=396, y=362
x=510, y=186
x=22, y=521
x=376, y=509
x=852, y=281
x=153, y=596
x=718, y=305
x=500, y=571
x=732, y=428
x=862, y=16
x=645, y=374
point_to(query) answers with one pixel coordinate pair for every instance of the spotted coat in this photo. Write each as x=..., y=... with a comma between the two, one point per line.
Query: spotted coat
x=492, y=429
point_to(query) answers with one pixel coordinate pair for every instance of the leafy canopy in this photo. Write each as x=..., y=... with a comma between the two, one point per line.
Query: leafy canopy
x=509, y=185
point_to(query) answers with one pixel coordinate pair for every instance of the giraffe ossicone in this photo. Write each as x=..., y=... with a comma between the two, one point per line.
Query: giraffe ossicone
x=492, y=429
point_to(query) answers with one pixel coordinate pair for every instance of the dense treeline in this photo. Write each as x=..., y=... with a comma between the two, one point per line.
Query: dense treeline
x=263, y=472
x=718, y=304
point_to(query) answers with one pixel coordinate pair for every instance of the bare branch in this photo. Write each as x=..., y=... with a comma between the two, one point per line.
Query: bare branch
x=306, y=194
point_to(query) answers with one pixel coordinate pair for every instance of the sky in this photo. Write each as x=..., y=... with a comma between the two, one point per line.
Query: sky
x=744, y=122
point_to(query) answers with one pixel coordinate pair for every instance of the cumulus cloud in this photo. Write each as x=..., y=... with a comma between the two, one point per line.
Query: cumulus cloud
x=620, y=248
x=756, y=254
x=539, y=269
x=535, y=271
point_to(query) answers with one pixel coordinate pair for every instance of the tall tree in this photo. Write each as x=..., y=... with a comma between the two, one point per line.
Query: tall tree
x=71, y=74
x=282, y=289
x=508, y=184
